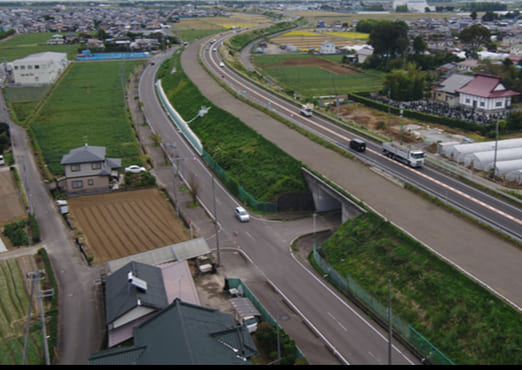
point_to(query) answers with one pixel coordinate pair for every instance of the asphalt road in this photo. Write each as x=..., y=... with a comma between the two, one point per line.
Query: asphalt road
x=80, y=316
x=492, y=261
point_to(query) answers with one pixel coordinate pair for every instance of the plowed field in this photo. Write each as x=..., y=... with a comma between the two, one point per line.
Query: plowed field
x=116, y=225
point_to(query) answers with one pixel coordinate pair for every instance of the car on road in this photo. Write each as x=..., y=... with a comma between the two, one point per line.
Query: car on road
x=215, y=49
x=242, y=214
x=135, y=169
x=221, y=64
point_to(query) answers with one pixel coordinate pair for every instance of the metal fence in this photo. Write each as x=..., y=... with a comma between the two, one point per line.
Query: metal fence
x=348, y=285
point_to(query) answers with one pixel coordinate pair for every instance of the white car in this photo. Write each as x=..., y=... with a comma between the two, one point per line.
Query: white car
x=242, y=214
x=221, y=64
x=135, y=169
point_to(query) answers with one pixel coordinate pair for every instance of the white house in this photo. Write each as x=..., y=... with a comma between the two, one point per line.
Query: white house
x=38, y=69
x=327, y=47
x=486, y=93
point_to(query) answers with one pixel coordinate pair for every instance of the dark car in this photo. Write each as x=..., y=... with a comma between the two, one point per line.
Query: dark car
x=358, y=145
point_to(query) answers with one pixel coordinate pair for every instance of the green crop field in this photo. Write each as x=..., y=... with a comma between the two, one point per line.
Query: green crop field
x=316, y=81
x=87, y=105
x=13, y=318
x=21, y=45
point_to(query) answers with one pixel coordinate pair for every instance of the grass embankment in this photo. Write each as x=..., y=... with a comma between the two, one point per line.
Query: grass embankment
x=466, y=322
x=87, y=106
x=259, y=166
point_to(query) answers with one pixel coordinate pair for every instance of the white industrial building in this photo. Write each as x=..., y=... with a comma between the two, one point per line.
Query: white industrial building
x=37, y=69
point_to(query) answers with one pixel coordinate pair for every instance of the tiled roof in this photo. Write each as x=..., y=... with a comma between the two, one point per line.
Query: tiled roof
x=486, y=87
x=84, y=154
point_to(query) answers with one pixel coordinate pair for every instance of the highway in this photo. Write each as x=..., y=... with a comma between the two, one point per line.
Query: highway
x=490, y=210
x=353, y=338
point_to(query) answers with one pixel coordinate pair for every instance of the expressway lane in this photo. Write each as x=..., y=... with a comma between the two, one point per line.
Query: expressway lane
x=264, y=242
x=486, y=208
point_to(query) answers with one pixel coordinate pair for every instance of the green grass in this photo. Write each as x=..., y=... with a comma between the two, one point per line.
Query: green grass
x=87, y=104
x=260, y=167
x=194, y=34
x=21, y=45
x=466, y=322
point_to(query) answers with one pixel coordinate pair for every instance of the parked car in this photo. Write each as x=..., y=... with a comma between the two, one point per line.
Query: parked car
x=135, y=169
x=242, y=214
x=1, y=160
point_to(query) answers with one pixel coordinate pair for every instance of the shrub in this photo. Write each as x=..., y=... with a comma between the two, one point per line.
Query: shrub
x=16, y=233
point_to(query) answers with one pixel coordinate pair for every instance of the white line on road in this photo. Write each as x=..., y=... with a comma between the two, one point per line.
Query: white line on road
x=337, y=321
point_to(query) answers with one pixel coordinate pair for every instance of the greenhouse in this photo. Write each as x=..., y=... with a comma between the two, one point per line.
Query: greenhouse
x=484, y=160
x=458, y=152
x=505, y=167
x=514, y=176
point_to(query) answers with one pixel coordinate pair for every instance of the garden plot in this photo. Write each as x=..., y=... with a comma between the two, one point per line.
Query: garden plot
x=116, y=225
x=11, y=205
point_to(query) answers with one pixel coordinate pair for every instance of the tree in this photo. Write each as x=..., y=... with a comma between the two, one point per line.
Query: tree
x=473, y=15
x=475, y=36
x=406, y=85
x=419, y=45
x=389, y=39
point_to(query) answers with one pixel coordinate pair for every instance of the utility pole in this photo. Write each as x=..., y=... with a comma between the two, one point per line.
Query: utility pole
x=495, y=156
x=216, y=222
x=389, y=324
x=37, y=276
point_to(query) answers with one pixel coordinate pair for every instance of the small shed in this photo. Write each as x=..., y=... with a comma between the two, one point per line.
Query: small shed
x=244, y=307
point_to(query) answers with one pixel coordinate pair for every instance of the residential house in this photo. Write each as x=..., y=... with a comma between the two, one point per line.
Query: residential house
x=87, y=170
x=327, y=47
x=137, y=291
x=467, y=65
x=56, y=40
x=486, y=94
x=447, y=92
x=364, y=53
x=184, y=334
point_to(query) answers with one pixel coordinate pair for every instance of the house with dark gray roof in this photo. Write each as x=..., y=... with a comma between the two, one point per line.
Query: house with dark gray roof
x=133, y=294
x=87, y=170
x=184, y=334
x=447, y=92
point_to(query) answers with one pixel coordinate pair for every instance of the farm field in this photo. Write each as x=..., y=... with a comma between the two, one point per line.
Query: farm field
x=116, y=225
x=66, y=119
x=21, y=45
x=15, y=292
x=316, y=75
x=11, y=205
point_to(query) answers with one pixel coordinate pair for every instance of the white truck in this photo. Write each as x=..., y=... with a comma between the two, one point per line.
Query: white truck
x=245, y=313
x=306, y=110
x=413, y=158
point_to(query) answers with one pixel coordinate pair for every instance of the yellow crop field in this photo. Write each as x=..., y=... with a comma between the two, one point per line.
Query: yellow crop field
x=209, y=23
x=350, y=35
x=300, y=33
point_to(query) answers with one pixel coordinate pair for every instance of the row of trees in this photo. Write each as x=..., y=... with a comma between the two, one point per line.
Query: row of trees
x=411, y=70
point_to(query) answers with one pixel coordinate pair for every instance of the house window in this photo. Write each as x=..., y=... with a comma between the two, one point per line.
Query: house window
x=482, y=104
x=37, y=67
x=75, y=167
x=96, y=165
x=90, y=182
x=498, y=104
x=467, y=100
x=77, y=184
